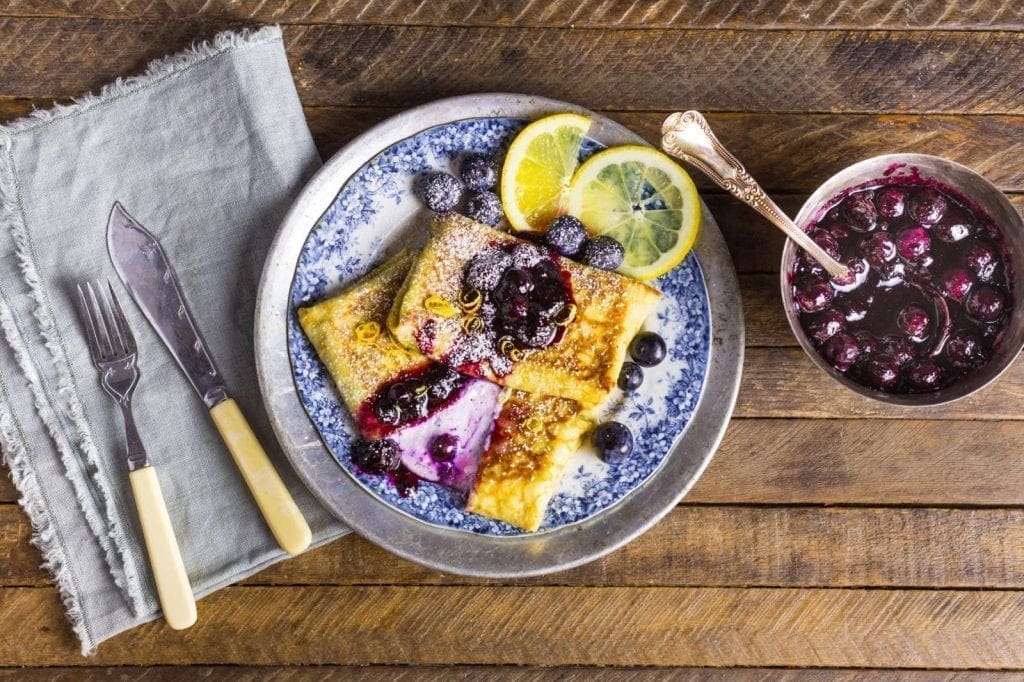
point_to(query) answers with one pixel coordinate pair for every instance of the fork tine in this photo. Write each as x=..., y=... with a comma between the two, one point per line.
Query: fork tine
x=122, y=322
x=90, y=324
x=117, y=344
x=106, y=346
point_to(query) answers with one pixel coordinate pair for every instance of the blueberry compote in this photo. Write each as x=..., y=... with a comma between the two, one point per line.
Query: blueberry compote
x=928, y=295
x=409, y=399
x=516, y=299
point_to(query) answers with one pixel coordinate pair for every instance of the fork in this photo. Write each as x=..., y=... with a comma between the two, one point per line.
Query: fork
x=115, y=355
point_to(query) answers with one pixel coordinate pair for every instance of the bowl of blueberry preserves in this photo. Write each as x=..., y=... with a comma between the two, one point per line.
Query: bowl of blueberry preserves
x=930, y=310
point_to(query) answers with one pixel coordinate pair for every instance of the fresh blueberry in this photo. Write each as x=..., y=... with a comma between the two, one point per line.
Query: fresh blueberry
x=868, y=343
x=899, y=348
x=515, y=281
x=534, y=333
x=376, y=456
x=647, y=349
x=602, y=252
x=827, y=242
x=479, y=172
x=813, y=295
x=982, y=259
x=826, y=324
x=440, y=191
x=891, y=274
x=841, y=351
x=630, y=376
x=879, y=248
x=485, y=270
x=952, y=230
x=526, y=255
x=859, y=209
x=963, y=349
x=855, y=307
x=891, y=202
x=913, y=243
x=566, y=235
x=857, y=273
x=956, y=284
x=882, y=372
x=985, y=304
x=914, y=321
x=925, y=375
x=927, y=206
x=387, y=411
x=444, y=447
x=613, y=441
x=484, y=207
x=442, y=381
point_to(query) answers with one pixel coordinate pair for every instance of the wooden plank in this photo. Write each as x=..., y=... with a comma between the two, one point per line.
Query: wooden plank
x=856, y=461
x=770, y=71
x=516, y=673
x=782, y=382
x=772, y=14
x=943, y=629
x=866, y=461
x=788, y=153
x=706, y=546
x=721, y=546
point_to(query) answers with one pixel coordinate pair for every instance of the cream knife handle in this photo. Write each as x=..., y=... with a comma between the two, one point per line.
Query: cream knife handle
x=172, y=586
x=275, y=502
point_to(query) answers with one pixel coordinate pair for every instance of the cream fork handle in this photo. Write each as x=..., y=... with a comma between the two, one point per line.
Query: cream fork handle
x=172, y=585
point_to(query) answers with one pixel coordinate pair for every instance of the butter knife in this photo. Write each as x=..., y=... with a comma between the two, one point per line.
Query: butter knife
x=142, y=265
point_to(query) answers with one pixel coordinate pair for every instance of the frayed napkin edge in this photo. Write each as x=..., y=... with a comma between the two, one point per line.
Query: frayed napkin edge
x=156, y=71
x=45, y=536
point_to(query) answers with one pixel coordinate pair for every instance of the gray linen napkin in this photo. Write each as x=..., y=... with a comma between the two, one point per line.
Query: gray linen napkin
x=206, y=149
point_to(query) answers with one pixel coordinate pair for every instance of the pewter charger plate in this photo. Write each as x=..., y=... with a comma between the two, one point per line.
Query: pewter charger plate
x=351, y=214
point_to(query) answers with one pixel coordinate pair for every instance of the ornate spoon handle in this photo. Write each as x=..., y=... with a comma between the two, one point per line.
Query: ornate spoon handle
x=688, y=137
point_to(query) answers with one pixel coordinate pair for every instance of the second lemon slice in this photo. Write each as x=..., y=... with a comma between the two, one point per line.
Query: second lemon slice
x=642, y=199
x=538, y=169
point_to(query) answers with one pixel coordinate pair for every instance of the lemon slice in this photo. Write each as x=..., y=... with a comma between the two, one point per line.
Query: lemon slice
x=642, y=199
x=538, y=169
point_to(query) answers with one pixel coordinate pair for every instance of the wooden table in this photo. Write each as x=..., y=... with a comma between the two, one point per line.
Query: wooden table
x=828, y=532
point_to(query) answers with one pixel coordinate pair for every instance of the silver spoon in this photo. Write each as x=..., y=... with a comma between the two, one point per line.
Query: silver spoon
x=688, y=136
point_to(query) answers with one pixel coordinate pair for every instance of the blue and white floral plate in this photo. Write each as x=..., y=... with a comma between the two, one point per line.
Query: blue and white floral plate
x=367, y=210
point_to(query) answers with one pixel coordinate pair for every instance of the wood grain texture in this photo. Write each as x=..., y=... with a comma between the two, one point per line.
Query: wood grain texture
x=902, y=14
x=782, y=382
x=856, y=461
x=788, y=153
x=466, y=673
x=865, y=461
x=530, y=626
x=767, y=71
x=706, y=546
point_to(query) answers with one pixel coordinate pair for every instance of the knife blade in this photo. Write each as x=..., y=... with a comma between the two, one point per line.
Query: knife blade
x=144, y=268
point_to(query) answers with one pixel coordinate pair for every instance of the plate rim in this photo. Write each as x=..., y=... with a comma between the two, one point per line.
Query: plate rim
x=453, y=550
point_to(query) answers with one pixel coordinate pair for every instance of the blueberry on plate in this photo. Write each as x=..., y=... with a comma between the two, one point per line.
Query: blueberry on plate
x=603, y=253
x=630, y=376
x=647, y=349
x=613, y=441
x=484, y=207
x=566, y=235
x=440, y=191
x=444, y=447
x=376, y=456
x=479, y=172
